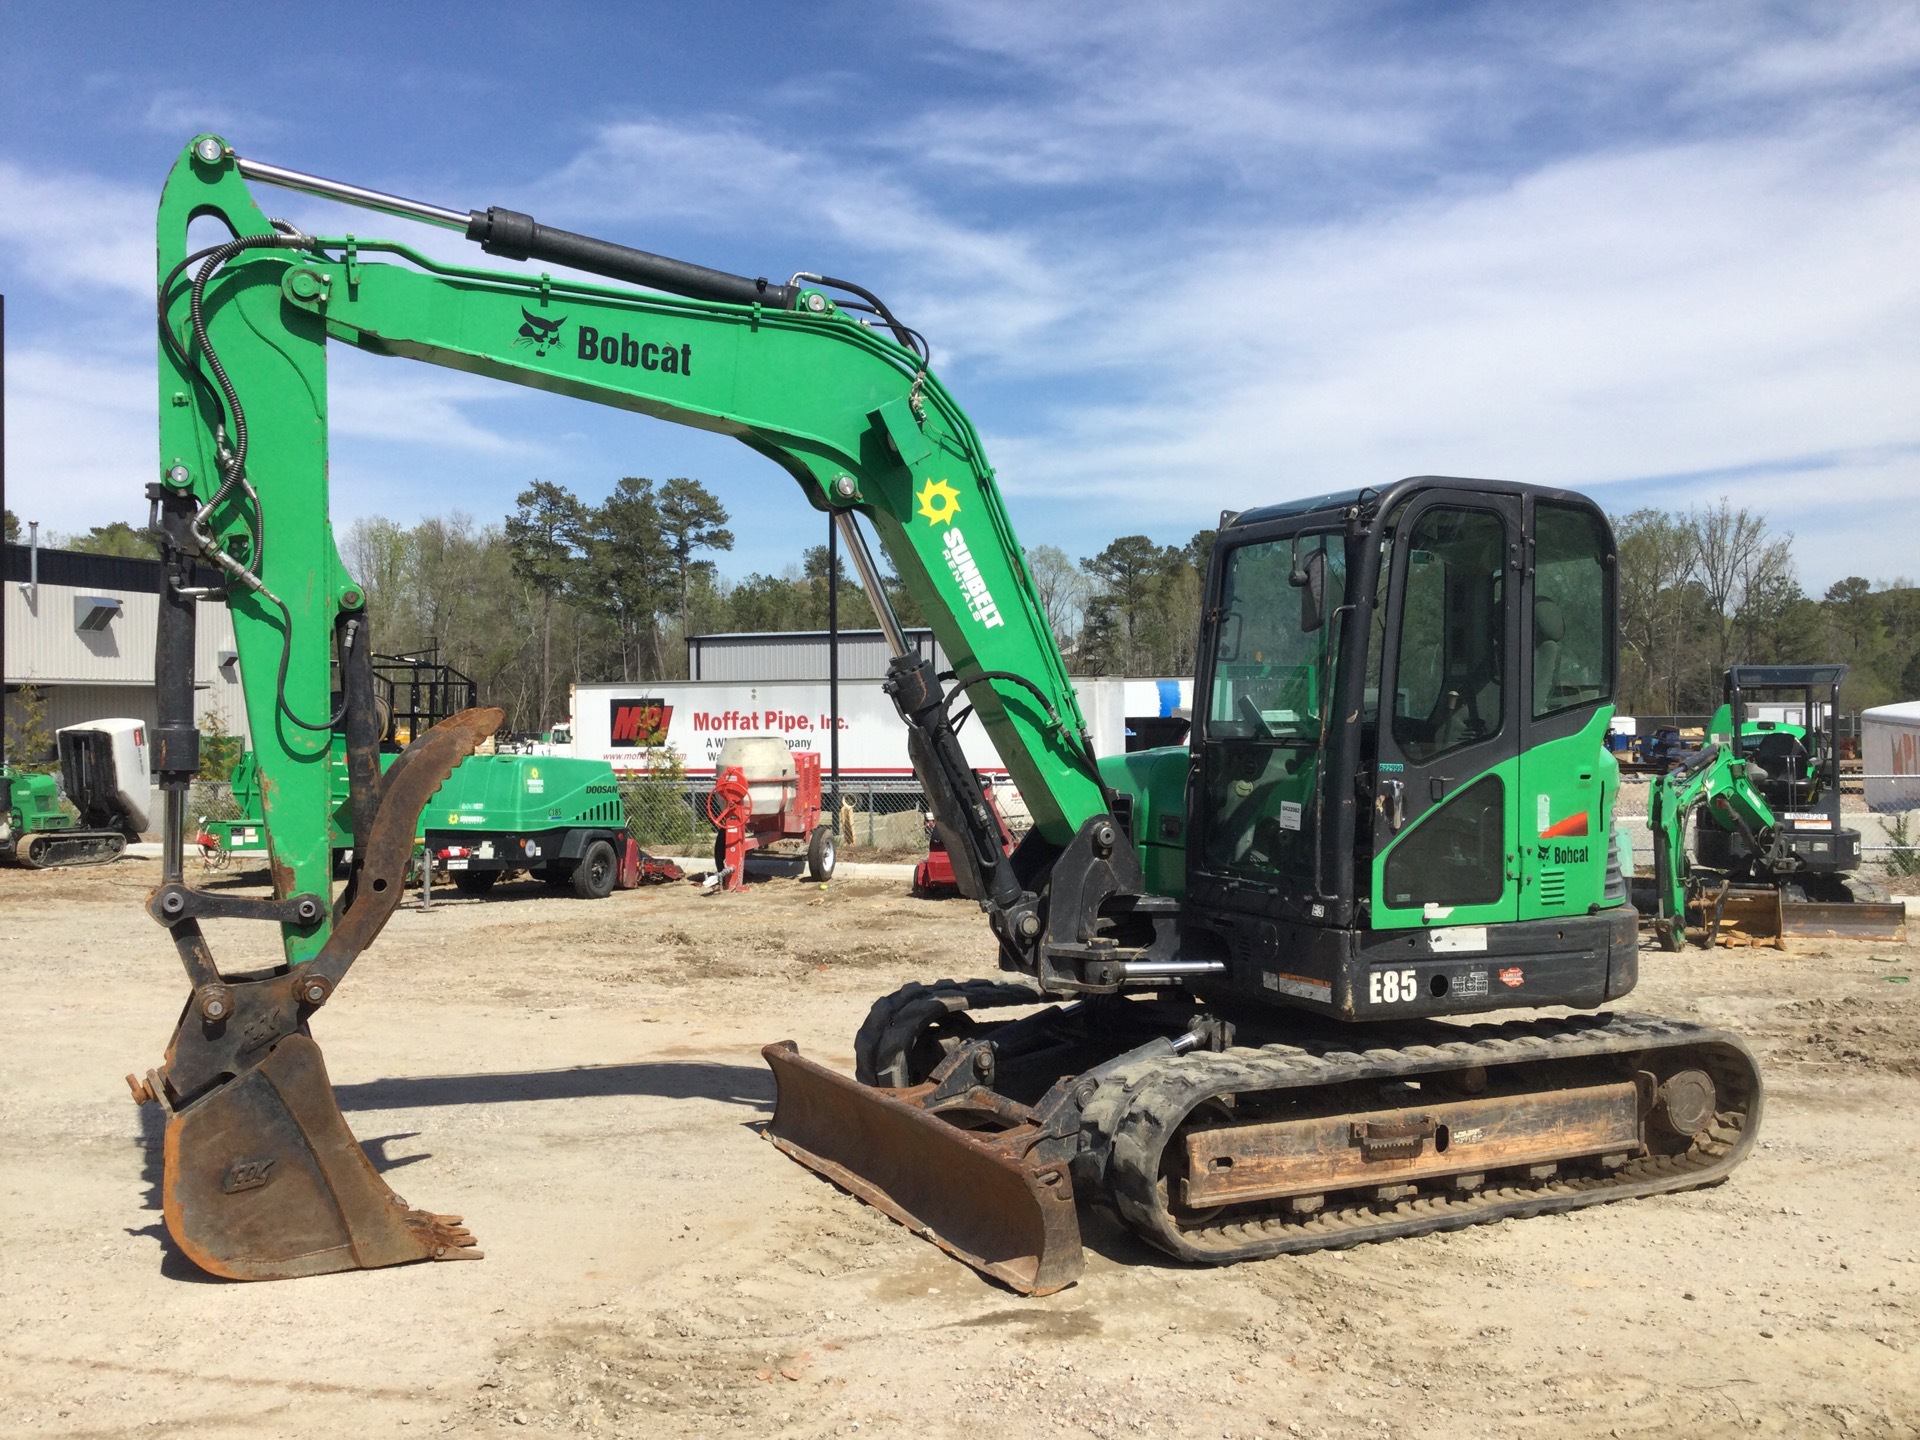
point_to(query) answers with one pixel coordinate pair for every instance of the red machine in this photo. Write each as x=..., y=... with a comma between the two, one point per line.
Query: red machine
x=765, y=793
x=933, y=877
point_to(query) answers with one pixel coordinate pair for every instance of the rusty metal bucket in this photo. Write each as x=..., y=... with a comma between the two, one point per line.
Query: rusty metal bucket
x=982, y=1195
x=264, y=1181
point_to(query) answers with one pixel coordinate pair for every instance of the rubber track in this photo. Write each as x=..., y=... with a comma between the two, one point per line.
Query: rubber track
x=896, y=1020
x=1136, y=1113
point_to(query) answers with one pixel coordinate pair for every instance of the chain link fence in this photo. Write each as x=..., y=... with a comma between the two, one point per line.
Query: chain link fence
x=670, y=815
x=667, y=814
x=210, y=800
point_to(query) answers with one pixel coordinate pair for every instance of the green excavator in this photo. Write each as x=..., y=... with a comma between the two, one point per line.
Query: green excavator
x=1760, y=799
x=1237, y=975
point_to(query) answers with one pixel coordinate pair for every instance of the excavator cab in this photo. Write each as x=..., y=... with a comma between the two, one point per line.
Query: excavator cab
x=1402, y=795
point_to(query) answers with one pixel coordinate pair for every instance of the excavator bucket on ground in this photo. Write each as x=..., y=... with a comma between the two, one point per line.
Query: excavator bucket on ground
x=264, y=1181
x=984, y=1195
x=262, y=1178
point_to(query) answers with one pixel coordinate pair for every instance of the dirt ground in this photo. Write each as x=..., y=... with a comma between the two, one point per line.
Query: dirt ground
x=582, y=1081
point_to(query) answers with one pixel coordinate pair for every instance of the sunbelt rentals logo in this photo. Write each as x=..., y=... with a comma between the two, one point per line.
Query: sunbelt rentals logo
x=940, y=502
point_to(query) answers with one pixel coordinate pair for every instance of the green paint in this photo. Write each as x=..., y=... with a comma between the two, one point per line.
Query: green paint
x=817, y=393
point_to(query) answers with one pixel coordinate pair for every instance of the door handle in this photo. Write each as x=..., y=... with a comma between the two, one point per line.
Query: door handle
x=1393, y=803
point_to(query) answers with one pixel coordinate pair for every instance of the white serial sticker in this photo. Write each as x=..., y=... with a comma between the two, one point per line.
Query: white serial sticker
x=1457, y=939
x=1289, y=814
x=1801, y=817
x=1298, y=985
x=1468, y=1137
x=1543, y=808
x=456, y=864
x=1431, y=911
x=1470, y=984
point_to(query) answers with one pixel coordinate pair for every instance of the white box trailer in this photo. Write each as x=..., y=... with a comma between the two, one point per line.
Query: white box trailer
x=627, y=724
x=1890, y=755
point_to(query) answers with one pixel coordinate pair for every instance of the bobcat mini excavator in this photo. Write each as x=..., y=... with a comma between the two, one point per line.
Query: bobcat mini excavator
x=1226, y=964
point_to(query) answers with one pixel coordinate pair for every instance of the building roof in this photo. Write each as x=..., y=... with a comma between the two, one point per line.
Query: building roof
x=104, y=572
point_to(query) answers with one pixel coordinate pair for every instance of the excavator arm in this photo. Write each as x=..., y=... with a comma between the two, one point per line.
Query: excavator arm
x=263, y=1177
x=846, y=408
x=1716, y=779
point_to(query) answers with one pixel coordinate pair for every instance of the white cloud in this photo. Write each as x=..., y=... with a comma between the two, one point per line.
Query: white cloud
x=70, y=232
x=396, y=401
x=1687, y=310
x=80, y=439
x=994, y=287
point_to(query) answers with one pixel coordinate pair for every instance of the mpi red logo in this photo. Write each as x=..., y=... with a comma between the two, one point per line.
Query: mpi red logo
x=640, y=722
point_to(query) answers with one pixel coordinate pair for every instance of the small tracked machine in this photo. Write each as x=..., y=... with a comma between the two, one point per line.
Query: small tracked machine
x=1237, y=974
x=103, y=769
x=1771, y=856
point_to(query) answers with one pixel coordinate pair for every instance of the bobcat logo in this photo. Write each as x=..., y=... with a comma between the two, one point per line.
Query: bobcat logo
x=539, y=332
x=246, y=1175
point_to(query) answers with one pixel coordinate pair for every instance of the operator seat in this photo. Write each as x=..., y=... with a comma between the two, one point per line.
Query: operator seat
x=1783, y=760
x=1549, y=629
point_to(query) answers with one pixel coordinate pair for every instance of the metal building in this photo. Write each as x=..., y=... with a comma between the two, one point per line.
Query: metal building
x=798, y=655
x=79, y=629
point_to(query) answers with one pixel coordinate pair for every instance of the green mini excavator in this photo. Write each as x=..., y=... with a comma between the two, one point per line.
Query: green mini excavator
x=1761, y=801
x=1246, y=983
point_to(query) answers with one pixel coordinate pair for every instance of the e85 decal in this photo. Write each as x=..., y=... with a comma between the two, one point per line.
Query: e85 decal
x=1392, y=987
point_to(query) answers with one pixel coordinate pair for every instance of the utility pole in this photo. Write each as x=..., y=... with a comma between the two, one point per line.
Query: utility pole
x=833, y=662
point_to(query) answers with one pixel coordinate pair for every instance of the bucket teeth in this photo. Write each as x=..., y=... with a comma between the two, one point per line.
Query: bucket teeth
x=985, y=1196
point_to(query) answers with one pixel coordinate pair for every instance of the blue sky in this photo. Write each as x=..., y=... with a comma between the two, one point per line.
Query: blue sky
x=1172, y=258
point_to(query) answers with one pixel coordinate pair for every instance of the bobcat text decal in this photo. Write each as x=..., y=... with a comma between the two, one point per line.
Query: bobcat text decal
x=633, y=354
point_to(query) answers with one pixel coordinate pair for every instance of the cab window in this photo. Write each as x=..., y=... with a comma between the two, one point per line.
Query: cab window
x=1572, y=606
x=1450, y=684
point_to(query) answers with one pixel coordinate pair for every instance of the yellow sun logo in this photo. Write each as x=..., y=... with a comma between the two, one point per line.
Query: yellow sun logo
x=939, y=502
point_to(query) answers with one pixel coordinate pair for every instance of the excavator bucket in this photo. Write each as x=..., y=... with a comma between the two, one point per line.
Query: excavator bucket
x=264, y=1181
x=1845, y=920
x=262, y=1178
x=980, y=1195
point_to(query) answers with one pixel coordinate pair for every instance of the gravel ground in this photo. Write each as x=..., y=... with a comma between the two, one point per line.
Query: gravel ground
x=581, y=1080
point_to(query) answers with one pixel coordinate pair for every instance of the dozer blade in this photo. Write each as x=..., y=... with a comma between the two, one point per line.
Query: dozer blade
x=1844, y=920
x=264, y=1181
x=980, y=1195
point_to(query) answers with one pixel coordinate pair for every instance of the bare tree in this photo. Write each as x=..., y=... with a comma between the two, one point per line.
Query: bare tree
x=1737, y=565
x=1061, y=587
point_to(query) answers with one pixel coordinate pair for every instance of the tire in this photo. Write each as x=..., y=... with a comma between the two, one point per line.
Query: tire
x=475, y=882
x=821, y=853
x=593, y=875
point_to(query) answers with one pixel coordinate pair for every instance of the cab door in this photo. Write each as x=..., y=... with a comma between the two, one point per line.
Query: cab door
x=1567, y=777
x=1445, y=782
